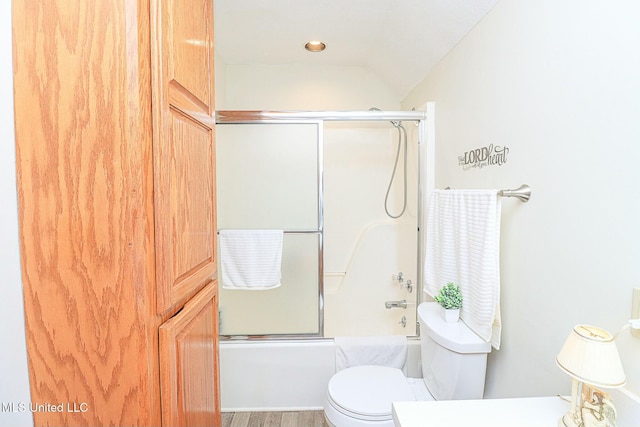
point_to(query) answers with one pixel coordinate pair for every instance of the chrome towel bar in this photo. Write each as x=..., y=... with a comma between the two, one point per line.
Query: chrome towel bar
x=523, y=193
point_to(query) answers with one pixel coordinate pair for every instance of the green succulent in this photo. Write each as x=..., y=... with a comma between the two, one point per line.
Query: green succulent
x=449, y=296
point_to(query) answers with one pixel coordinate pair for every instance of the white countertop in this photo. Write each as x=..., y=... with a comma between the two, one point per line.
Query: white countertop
x=521, y=412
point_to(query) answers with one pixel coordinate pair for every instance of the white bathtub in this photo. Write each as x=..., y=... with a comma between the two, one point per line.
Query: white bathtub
x=283, y=375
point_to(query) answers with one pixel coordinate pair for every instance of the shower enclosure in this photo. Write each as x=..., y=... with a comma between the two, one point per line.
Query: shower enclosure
x=345, y=187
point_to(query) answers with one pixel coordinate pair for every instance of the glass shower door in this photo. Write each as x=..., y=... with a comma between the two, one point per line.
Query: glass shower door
x=268, y=178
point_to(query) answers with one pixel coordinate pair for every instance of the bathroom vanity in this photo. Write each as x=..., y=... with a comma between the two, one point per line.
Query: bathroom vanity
x=523, y=412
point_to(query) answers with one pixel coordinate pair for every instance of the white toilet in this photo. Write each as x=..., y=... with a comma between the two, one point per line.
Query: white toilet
x=454, y=362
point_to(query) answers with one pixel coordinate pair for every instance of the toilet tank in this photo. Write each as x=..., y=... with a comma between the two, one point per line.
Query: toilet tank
x=454, y=358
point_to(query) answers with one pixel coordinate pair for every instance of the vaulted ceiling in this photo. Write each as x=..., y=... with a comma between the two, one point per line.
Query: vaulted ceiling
x=399, y=40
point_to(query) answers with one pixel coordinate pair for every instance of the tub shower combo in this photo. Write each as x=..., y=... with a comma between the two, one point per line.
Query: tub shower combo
x=346, y=189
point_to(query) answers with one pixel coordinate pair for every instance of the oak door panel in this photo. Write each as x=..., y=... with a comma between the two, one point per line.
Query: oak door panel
x=189, y=363
x=85, y=184
x=182, y=70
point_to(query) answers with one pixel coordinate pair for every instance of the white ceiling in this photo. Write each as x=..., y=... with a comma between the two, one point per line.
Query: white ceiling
x=399, y=40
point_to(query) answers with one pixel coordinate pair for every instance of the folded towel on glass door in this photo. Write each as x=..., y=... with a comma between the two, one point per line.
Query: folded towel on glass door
x=251, y=259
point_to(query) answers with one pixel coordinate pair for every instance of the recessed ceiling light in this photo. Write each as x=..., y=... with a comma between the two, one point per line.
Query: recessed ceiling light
x=315, y=46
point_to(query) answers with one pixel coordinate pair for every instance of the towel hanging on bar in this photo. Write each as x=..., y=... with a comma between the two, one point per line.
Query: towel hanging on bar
x=463, y=246
x=251, y=259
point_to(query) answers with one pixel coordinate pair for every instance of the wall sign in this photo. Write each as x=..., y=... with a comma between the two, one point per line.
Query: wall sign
x=491, y=155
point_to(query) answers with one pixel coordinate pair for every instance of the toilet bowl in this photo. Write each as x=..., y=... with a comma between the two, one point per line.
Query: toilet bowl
x=361, y=395
x=453, y=367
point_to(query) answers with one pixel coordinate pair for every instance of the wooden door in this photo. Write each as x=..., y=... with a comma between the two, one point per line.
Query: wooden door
x=183, y=135
x=189, y=363
x=85, y=183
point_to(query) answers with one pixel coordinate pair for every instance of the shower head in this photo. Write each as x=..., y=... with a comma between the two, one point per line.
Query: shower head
x=402, y=136
x=393, y=122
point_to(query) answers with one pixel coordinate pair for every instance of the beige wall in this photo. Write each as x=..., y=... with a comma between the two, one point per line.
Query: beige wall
x=299, y=87
x=558, y=84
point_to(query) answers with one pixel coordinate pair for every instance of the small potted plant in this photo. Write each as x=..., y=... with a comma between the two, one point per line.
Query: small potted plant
x=450, y=298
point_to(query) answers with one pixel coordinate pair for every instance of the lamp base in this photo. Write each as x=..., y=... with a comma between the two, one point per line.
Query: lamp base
x=597, y=408
x=573, y=418
x=569, y=420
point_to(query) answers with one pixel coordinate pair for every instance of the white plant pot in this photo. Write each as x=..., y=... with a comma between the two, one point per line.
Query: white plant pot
x=451, y=315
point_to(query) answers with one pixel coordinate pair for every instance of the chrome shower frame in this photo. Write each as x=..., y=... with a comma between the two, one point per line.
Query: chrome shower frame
x=318, y=118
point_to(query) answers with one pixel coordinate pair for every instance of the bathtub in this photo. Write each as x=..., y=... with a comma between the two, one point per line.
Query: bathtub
x=273, y=375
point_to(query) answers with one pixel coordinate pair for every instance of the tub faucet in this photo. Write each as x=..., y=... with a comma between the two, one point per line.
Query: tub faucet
x=397, y=304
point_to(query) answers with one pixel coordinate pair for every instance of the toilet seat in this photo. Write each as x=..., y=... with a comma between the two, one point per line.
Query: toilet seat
x=365, y=393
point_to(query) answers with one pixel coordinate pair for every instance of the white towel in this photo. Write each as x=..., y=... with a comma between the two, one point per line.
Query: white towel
x=463, y=246
x=388, y=351
x=251, y=259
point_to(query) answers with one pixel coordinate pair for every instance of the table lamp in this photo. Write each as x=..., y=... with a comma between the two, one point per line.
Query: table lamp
x=589, y=355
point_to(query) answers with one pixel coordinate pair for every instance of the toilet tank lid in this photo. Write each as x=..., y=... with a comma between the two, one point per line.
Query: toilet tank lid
x=456, y=337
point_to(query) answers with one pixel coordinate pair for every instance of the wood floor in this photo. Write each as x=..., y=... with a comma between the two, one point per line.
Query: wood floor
x=274, y=419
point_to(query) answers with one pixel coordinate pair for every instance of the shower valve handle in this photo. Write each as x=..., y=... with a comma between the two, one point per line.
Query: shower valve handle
x=409, y=286
x=403, y=321
x=399, y=277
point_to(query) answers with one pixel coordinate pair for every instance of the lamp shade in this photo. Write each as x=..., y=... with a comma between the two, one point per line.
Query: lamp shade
x=590, y=355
